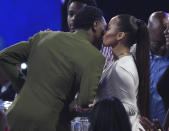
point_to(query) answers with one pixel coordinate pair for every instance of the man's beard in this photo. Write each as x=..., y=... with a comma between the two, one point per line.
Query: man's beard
x=98, y=42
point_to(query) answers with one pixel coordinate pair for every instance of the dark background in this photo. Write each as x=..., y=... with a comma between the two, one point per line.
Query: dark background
x=139, y=8
x=21, y=19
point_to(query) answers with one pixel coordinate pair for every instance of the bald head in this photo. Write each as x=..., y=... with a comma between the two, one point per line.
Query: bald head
x=157, y=24
x=158, y=21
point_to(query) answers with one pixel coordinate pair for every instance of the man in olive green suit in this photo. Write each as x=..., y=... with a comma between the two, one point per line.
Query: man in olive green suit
x=59, y=65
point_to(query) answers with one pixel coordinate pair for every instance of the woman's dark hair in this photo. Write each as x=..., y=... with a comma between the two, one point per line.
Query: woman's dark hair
x=86, y=17
x=137, y=32
x=87, y=2
x=109, y=115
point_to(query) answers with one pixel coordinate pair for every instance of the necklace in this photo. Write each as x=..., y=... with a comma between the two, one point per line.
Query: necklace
x=121, y=54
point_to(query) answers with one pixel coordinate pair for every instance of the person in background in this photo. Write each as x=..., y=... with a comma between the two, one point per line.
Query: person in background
x=73, y=6
x=163, y=83
x=60, y=64
x=159, y=60
x=109, y=115
x=72, y=9
x=127, y=78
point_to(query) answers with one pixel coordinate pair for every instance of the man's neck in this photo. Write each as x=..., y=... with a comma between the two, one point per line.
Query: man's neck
x=88, y=33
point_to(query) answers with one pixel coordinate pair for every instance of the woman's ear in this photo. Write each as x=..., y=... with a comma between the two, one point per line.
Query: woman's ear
x=121, y=35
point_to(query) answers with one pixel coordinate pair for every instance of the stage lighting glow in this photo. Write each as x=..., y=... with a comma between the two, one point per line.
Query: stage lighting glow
x=62, y=1
x=24, y=66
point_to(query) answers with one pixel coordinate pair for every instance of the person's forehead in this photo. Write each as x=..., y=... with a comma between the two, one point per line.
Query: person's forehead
x=75, y=6
x=158, y=22
x=114, y=21
x=159, y=18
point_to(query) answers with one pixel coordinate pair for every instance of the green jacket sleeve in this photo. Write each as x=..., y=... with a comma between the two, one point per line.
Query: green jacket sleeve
x=89, y=83
x=11, y=57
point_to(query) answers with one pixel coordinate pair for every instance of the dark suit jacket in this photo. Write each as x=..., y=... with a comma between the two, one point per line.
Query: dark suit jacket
x=163, y=88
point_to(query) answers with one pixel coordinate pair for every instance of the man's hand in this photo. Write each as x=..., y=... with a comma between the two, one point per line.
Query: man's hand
x=151, y=126
x=80, y=109
x=47, y=30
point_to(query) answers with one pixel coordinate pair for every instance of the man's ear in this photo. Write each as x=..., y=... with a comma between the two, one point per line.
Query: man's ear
x=94, y=26
x=121, y=35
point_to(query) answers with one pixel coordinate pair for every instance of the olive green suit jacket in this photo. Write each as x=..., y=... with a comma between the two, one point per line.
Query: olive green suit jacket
x=60, y=64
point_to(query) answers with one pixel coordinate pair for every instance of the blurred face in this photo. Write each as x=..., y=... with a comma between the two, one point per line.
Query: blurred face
x=157, y=27
x=73, y=8
x=110, y=37
x=99, y=32
x=100, y=29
